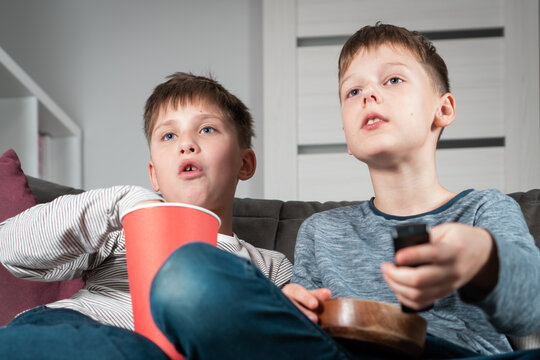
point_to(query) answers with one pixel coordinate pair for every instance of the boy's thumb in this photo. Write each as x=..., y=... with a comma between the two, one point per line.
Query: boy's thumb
x=438, y=232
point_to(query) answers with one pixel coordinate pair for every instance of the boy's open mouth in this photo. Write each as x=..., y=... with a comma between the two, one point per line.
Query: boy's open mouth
x=372, y=120
x=189, y=167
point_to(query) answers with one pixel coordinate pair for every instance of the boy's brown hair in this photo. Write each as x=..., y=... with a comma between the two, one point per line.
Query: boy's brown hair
x=184, y=88
x=370, y=37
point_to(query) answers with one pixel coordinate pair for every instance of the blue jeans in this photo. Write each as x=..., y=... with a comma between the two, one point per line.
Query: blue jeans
x=58, y=334
x=214, y=305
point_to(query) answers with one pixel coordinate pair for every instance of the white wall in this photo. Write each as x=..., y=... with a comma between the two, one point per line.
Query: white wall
x=99, y=60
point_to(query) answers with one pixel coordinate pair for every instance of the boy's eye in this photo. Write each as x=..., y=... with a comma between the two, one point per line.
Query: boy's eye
x=207, y=130
x=353, y=92
x=168, y=136
x=394, y=80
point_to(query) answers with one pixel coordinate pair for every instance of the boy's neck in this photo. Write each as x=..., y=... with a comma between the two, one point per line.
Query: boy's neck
x=408, y=190
x=226, y=220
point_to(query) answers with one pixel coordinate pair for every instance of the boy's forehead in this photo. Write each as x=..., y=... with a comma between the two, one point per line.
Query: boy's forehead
x=197, y=104
x=204, y=107
x=390, y=48
x=374, y=52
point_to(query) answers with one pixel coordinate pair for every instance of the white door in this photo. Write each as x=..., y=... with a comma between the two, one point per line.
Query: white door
x=492, y=52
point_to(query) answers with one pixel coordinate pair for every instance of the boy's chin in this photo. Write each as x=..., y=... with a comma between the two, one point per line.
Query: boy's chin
x=191, y=199
x=203, y=203
x=383, y=153
x=372, y=155
x=379, y=160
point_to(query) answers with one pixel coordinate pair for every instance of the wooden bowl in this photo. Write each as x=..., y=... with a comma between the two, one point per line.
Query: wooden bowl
x=374, y=326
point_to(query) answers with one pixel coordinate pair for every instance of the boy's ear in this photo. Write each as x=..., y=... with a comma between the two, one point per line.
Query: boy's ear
x=447, y=111
x=153, y=177
x=249, y=164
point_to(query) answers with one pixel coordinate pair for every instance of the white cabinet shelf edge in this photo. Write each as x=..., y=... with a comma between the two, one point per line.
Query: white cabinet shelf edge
x=26, y=113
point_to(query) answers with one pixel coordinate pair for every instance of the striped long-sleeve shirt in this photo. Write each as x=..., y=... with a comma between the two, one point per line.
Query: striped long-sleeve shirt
x=81, y=235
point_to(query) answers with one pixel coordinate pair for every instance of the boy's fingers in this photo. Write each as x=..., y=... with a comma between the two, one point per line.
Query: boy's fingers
x=417, y=304
x=308, y=313
x=437, y=232
x=420, y=295
x=438, y=253
x=305, y=300
x=321, y=294
x=404, y=293
x=421, y=277
x=311, y=315
x=301, y=296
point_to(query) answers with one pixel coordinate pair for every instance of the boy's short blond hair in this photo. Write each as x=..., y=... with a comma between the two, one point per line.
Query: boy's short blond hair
x=184, y=88
x=370, y=37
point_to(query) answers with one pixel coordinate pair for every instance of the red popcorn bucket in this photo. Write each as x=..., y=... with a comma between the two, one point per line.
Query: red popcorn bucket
x=152, y=232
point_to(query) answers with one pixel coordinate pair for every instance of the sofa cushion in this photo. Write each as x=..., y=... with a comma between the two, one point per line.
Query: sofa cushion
x=273, y=224
x=46, y=191
x=530, y=206
x=15, y=194
x=17, y=295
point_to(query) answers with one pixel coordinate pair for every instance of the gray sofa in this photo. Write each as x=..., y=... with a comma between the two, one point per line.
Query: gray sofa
x=273, y=224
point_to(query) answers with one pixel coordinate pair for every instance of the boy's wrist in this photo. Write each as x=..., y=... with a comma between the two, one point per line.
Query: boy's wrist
x=486, y=279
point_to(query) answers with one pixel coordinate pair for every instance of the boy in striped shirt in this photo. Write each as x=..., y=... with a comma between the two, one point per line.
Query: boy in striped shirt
x=199, y=136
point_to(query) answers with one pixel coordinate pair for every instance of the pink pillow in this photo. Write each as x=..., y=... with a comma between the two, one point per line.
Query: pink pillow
x=15, y=195
x=17, y=295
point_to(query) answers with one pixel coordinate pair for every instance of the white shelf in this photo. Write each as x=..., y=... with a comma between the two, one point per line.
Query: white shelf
x=23, y=119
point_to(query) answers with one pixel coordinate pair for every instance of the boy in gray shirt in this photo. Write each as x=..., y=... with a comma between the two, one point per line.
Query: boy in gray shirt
x=481, y=268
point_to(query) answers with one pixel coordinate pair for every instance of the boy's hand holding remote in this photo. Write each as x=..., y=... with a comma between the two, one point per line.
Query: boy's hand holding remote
x=457, y=255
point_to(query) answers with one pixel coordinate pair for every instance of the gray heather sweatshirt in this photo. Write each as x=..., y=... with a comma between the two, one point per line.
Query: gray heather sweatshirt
x=342, y=249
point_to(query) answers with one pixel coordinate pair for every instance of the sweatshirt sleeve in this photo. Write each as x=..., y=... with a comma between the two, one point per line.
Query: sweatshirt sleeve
x=513, y=306
x=305, y=271
x=62, y=239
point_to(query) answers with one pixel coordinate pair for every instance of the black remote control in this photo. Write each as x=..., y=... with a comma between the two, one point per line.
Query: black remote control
x=410, y=235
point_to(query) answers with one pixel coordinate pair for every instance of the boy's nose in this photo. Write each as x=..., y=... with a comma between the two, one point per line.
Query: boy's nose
x=188, y=147
x=187, y=150
x=369, y=94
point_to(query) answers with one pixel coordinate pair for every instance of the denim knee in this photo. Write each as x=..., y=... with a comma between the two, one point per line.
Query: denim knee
x=178, y=281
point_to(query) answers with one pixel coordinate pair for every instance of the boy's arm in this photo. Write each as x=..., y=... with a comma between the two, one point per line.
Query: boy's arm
x=494, y=265
x=513, y=305
x=305, y=271
x=73, y=233
x=305, y=274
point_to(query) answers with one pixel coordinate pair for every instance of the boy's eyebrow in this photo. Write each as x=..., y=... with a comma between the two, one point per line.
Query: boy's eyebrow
x=164, y=124
x=343, y=80
x=201, y=116
x=397, y=63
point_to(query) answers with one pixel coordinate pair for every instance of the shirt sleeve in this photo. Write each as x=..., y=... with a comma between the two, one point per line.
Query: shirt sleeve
x=273, y=264
x=305, y=271
x=513, y=306
x=62, y=239
x=281, y=271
